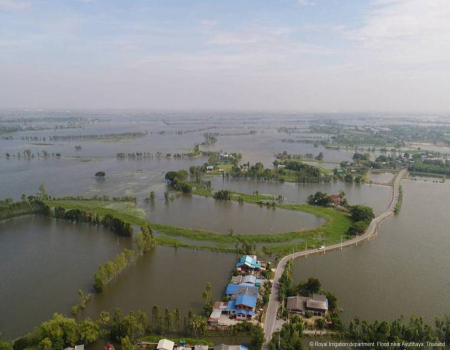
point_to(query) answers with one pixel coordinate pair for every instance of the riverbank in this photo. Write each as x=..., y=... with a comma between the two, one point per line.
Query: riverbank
x=269, y=324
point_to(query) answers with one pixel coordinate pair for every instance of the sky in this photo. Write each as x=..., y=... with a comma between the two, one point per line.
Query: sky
x=262, y=55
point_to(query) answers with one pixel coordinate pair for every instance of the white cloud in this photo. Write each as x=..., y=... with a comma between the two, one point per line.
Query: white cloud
x=407, y=31
x=306, y=2
x=208, y=23
x=14, y=5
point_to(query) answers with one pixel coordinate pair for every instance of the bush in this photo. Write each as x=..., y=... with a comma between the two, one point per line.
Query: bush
x=357, y=228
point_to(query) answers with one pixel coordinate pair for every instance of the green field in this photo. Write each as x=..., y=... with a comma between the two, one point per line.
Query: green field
x=336, y=226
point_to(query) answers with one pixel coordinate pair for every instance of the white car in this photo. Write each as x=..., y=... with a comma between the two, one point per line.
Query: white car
x=322, y=247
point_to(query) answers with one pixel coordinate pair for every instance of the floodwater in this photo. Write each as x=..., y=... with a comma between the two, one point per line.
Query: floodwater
x=403, y=271
x=43, y=264
x=166, y=277
x=220, y=216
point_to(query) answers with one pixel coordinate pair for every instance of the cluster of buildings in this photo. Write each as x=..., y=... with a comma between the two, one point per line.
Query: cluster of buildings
x=242, y=294
x=165, y=344
x=317, y=305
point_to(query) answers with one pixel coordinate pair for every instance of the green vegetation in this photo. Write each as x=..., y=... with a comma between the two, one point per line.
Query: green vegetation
x=398, y=205
x=10, y=209
x=399, y=332
x=429, y=166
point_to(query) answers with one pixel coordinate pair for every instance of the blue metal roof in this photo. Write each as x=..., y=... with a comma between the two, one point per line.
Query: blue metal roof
x=231, y=289
x=244, y=312
x=234, y=288
x=247, y=300
x=250, y=261
x=231, y=306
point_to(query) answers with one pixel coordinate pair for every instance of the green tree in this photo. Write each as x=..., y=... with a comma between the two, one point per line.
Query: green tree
x=258, y=338
x=126, y=344
x=207, y=297
x=156, y=320
x=45, y=344
x=89, y=331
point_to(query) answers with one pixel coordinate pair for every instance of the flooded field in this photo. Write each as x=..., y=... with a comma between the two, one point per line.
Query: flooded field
x=403, y=271
x=399, y=272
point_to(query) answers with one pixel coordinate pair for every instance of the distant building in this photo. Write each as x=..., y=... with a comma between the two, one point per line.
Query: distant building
x=230, y=347
x=214, y=318
x=165, y=344
x=317, y=304
x=243, y=307
x=77, y=347
x=336, y=199
x=233, y=290
x=248, y=263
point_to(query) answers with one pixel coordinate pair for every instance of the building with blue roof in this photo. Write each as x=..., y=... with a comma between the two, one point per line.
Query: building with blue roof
x=234, y=289
x=246, y=302
x=248, y=262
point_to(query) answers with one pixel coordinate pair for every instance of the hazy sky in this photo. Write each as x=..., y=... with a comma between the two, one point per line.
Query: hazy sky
x=304, y=55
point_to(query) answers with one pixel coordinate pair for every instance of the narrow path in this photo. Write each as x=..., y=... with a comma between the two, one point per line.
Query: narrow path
x=271, y=314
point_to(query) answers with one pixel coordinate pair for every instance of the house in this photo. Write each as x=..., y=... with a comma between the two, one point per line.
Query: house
x=246, y=302
x=237, y=279
x=317, y=304
x=336, y=199
x=214, y=318
x=248, y=263
x=165, y=344
x=296, y=305
x=77, y=347
x=233, y=290
x=230, y=347
x=243, y=307
x=220, y=305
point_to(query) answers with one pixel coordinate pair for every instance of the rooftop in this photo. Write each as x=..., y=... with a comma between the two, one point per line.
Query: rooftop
x=246, y=300
x=165, y=344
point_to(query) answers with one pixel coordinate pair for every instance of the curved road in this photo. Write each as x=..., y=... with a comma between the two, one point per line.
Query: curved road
x=271, y=314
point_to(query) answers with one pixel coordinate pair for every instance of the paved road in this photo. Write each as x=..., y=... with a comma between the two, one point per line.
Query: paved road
x=272, y=308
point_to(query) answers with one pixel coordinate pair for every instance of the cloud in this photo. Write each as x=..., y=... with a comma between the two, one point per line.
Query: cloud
x=208, y=23
x=14, y=5
x=306, y=2
x=406, y=31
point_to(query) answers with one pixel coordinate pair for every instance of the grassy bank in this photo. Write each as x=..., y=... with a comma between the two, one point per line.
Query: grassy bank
x=337, y=225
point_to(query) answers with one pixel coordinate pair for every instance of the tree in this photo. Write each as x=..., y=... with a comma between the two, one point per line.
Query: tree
x=168, y=320
x=89, y=331
x=152, y=196
x=310, y=287
x=126, y=344
x=357, y=228
x=198, y=324
x=207, y=297
x=156, y=320
x=42, y=191
x=6, y=345
x=177, y=319
x=362, y=213
x=104, y=318
x=258, y=338
x=45, y=344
